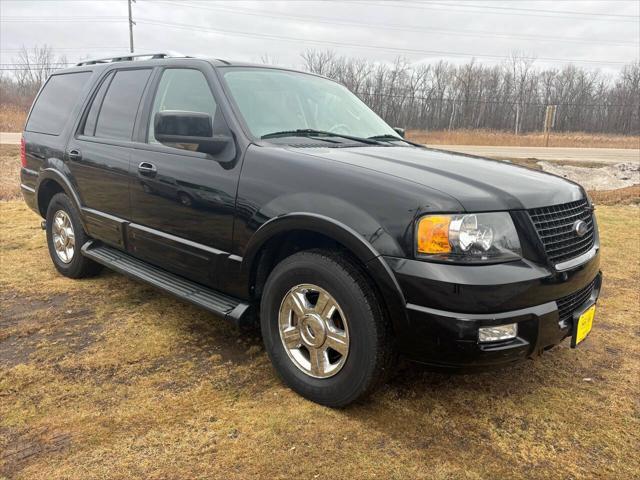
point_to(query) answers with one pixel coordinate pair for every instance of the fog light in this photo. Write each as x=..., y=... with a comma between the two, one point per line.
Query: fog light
x=499, y=332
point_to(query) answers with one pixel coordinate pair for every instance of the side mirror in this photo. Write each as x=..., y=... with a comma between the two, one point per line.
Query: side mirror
x=399, y=131
x=192, y=128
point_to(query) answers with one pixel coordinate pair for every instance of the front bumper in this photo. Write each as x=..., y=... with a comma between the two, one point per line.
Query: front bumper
x=462, y=299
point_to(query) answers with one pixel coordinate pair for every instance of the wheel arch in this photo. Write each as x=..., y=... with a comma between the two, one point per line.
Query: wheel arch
x=50, y=182
x=284, y=235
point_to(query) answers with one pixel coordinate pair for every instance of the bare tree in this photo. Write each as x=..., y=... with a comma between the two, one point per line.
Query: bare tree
x=34, y=66
x=511, y=96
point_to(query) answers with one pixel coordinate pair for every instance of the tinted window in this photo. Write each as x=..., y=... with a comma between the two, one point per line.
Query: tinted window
x=92, y=117
x=185, y=90
x=56, y=102
x=120, y=104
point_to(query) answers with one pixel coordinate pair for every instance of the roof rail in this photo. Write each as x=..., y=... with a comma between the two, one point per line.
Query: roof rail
x=129, y=58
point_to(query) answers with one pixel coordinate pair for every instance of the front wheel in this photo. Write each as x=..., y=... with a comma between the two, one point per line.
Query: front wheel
x=324, y=328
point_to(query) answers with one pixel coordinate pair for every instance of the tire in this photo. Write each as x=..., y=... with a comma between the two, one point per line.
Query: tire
x=370, y=355
x=74, y=265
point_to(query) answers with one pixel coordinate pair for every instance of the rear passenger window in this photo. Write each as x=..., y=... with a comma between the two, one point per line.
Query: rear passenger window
x=120, y=104
x=55, y=103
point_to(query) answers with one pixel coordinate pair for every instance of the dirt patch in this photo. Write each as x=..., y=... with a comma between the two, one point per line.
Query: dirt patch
x=32, y=327
x=23, y=447
x=610, y=177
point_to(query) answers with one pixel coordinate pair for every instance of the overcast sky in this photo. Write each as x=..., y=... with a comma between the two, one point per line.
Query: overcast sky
x=592, y=34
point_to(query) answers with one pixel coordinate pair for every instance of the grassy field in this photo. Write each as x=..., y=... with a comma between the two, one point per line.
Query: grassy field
x=533, y=139
x=108, y=378
x=12, y=118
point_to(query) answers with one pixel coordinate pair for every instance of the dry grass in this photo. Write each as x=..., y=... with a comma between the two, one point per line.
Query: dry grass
x=10, y=168
x=12, y=118
x=621, y=196
x=534, y=139
x=107, y=378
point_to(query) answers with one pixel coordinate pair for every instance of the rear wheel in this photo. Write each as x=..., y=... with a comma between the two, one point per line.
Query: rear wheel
x=65, y=237
x=324, y=328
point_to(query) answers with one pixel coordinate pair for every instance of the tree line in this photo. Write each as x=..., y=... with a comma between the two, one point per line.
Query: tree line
x=435, y=96
x=511, y=96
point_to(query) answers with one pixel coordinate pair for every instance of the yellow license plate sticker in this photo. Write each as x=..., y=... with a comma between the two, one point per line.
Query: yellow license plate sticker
x=585, y=322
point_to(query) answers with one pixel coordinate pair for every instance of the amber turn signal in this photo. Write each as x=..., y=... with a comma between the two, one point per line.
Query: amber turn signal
x=433, y=234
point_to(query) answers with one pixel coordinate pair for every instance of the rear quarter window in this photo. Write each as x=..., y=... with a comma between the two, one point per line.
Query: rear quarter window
x=55, y=103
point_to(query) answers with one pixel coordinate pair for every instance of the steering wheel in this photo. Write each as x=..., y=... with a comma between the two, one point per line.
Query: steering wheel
x=340, y=126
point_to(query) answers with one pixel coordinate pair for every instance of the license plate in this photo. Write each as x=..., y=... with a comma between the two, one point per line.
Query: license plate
x=583, y=326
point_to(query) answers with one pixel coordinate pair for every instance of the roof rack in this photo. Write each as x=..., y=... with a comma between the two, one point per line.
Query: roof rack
x=129, y=58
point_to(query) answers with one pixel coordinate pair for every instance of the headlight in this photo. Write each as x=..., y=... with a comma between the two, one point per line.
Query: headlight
x=468, y=238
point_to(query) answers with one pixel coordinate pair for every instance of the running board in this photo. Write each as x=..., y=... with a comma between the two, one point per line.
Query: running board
x=218, y=303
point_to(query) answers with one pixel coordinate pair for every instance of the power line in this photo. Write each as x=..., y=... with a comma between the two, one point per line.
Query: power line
x=396, y=27
x=556, y=12
x=466, y=7
x=36, y=64
x=68, y=49
x=374, y=47
x=94, y=19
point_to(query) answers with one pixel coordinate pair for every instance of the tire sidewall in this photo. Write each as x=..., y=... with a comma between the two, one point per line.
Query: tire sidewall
x=356, y=373
x=61, y=202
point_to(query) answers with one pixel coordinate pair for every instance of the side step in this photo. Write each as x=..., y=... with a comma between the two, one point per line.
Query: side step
x=220, y=304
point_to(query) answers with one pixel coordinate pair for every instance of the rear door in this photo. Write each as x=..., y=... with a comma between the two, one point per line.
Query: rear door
x=182, y=201
x=49, y=125
x=100, y=153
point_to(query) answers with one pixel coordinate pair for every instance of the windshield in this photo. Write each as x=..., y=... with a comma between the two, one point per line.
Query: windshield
x=272, y=101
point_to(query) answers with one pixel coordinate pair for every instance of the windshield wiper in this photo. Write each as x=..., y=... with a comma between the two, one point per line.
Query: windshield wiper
x=310, y=132
x=389, y=137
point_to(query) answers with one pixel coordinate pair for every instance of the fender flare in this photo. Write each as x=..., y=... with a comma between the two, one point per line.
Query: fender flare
x=373, y=262
x=51, y=174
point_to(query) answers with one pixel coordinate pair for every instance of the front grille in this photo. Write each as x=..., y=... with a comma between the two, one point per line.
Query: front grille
x=555, y=226
x=567, y=305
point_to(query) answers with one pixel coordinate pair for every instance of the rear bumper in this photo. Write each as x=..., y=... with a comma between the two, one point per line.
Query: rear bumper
x=28, y=183
x=29, y=195
x=448, y=337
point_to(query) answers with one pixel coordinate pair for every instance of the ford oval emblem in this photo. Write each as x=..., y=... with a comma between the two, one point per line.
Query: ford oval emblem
x=581, y=228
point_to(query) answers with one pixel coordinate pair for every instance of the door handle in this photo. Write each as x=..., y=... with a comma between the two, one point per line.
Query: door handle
x=147, y=168
x=75, y=154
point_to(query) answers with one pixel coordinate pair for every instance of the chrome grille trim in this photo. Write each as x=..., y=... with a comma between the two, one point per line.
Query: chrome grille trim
x=554, y=225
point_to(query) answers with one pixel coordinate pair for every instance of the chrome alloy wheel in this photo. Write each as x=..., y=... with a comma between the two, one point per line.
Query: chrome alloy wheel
x=64, y=240
x=314, y=330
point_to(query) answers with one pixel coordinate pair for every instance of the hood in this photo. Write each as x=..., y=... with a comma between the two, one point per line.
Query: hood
x=479, y=184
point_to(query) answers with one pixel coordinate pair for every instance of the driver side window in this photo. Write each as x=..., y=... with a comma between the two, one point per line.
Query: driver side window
x=185, y=90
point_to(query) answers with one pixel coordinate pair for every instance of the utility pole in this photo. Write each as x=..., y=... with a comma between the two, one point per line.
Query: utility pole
x=131, y=24
x=549, y=122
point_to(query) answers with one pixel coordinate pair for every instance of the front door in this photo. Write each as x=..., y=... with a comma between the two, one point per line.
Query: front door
x=182, y=201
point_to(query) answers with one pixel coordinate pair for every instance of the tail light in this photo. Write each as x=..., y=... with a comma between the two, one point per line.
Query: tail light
x=23, y=153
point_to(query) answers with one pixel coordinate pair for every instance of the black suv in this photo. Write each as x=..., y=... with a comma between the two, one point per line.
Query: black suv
x=271, y=194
